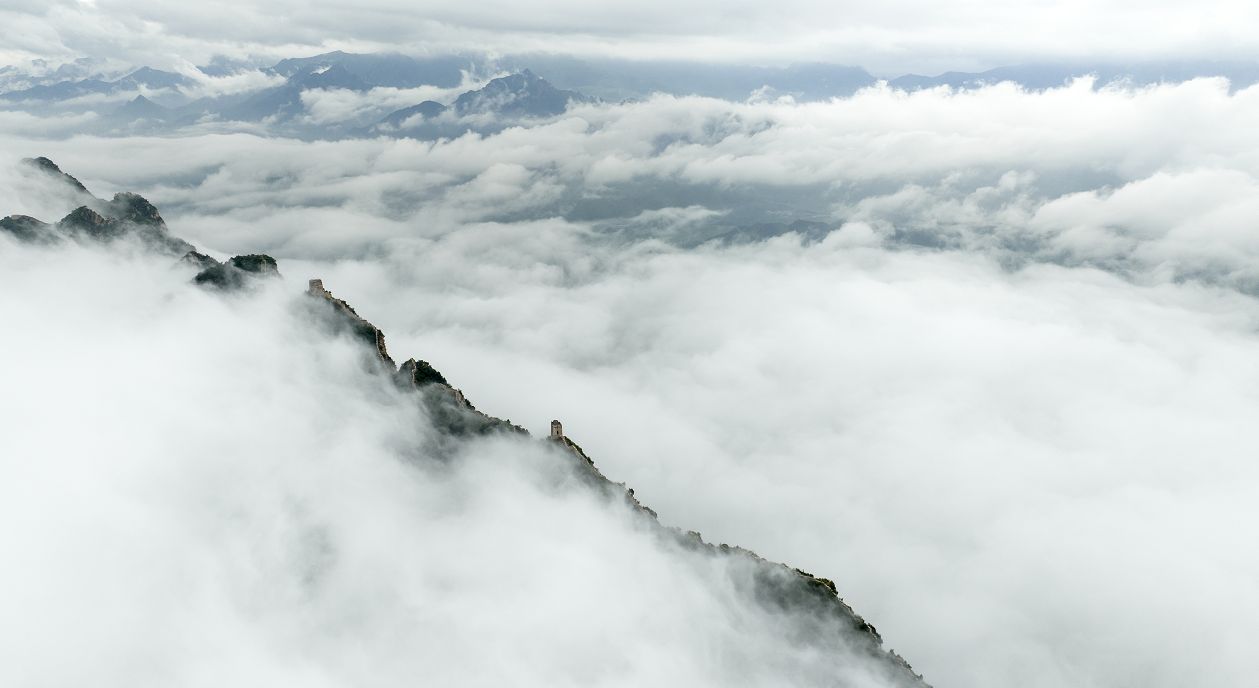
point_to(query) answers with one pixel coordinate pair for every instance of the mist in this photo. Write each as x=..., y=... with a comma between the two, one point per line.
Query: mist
x=204, y=490
x=1000, y=390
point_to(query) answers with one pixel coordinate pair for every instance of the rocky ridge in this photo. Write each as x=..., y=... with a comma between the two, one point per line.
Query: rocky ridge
x=128, y=216
x=812, y=601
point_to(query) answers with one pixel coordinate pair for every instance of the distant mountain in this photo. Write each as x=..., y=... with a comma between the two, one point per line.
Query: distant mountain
x=519, y=95
x=503, y=101
x=141, y=108
x=40, y=72
x=62, y=90
x=153, y=79
x=144, y=77
x=618, y=79
x=398, y=71
x=165, y=97
x=1045, y=76
x=414, y=115
x=330, y=76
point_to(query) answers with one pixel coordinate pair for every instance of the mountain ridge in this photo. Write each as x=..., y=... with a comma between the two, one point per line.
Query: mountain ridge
x=809, y=600
x=169, y=101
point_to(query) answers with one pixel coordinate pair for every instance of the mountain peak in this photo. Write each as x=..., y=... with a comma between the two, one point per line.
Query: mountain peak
x=523, y=94
x=131, y=207
x=333, y=75
x=50, y=168
x=84, y=219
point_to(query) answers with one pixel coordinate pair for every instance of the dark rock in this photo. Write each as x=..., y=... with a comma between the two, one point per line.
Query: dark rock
x=85, y=221
x=199, y=260
x=142, y=219
x=445, y=406
x=820, y=617
x=136, y=217
x=420, y=373
x=28, y=229
x=237, y=273
x=126, y=215
x=344, y=319
x=130, y=207
x=257, y=263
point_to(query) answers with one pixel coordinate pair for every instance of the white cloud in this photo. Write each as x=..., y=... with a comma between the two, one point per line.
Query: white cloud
x=334, y=106
x=1024, y=457
x=204, y=490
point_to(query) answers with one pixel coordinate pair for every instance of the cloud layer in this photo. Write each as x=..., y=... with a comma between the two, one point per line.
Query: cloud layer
x=202, y=490
x=907, y=35
x=1001, y=390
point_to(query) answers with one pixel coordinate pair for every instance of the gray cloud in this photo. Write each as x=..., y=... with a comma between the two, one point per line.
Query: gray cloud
x=908, y=35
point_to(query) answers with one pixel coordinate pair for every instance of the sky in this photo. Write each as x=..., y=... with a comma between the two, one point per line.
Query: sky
x=888, y=37
x=1001, y=391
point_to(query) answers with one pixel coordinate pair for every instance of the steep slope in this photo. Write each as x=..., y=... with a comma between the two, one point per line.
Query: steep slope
x=790, y=591
x=819, y=616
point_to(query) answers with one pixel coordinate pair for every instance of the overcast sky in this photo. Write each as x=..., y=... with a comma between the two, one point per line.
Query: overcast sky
x=887, y=37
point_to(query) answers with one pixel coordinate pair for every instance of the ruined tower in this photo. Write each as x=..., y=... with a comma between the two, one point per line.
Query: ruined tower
x=557, y=430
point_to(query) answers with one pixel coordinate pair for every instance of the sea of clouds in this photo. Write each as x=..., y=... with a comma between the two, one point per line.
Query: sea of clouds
x=1001, y=390
x=202, y=490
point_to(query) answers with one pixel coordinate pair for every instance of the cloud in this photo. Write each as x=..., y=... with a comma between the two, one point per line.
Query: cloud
x=333, y=106
x=206, y=490
x=1003, y=403
x=908, y=35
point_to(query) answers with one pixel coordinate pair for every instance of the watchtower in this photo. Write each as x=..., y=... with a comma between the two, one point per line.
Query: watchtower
x=316, y=288
x=557, y=430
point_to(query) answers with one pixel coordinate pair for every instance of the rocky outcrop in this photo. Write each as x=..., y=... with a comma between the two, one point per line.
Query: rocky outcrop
x=130, y=207
x=28, y=229
x=127, y=215
x=344, y=319
x=446, y=407
x=84, y=221
x=238, y=272
x=198, y=260
x=48, y=167
x=421, y=373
